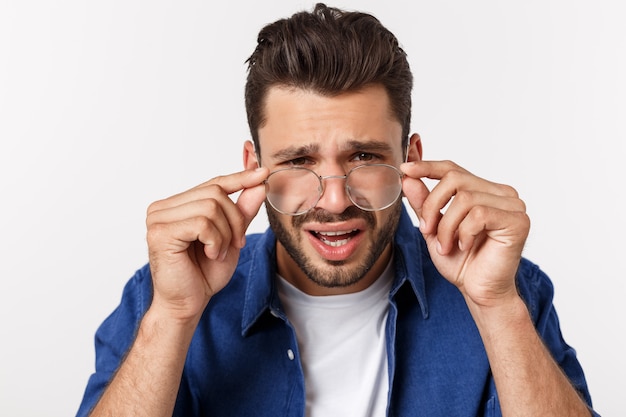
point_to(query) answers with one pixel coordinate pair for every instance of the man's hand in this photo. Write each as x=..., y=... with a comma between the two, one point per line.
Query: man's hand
x=477, y=243
x=194, y=239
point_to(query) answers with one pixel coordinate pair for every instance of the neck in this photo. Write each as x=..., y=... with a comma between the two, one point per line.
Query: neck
x=320, y=284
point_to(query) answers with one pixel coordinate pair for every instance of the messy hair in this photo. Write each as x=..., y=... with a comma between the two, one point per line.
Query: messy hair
x=327, y=51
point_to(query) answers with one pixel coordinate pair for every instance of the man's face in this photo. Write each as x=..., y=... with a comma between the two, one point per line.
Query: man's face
x=336, y=247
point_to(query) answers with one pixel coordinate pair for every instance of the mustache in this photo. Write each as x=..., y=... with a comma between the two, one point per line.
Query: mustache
x=318, y=215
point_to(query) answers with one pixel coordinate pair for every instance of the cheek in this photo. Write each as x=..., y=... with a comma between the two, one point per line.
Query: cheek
x=284, y=226
x=378, y=218
x=386, y=221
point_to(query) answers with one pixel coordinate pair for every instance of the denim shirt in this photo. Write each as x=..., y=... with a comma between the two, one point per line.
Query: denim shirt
x=244, y=361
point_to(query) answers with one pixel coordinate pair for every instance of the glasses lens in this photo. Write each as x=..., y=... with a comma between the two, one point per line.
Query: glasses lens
x=293, y=190
x=374, y=187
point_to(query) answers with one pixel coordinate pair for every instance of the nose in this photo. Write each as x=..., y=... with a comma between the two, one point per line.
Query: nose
x=334, y=198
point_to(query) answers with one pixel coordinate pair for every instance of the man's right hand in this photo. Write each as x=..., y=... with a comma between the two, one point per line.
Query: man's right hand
x=194, y=239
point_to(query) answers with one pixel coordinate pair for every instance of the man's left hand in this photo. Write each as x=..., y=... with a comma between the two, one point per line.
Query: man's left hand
x=477, y=242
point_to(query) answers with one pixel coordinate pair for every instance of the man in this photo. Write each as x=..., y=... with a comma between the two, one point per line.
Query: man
x=343, y=307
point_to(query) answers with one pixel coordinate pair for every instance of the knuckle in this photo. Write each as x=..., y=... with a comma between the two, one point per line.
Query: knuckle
x=154, y=207
x=428, y=205
x=454, y=174
x=200, y=222
x=508, y=190
x=479, y=213
x=217, y=179
x=464, y=197
x=210, y=206
x=155, y=233
x=450, y=165
x=215, y=183
x=525, y=220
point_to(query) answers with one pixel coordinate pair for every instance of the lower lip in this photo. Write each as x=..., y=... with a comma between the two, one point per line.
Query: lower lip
x=339, y=253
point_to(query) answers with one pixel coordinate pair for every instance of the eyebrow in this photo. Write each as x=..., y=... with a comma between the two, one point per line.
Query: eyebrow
x=295, y=152
x=351, y=145
x=368, y=145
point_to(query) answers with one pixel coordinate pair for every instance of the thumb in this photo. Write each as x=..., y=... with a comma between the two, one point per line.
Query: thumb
x=249, y=202
x=415, y=192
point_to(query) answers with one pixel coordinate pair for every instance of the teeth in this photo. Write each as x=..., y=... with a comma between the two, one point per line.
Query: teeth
x=336, y=233
x=335, y=243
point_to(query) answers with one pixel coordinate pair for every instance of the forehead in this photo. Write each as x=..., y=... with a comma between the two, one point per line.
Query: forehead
x=301, y=118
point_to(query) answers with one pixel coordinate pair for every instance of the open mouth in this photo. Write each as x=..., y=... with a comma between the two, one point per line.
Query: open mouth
x=336, y=238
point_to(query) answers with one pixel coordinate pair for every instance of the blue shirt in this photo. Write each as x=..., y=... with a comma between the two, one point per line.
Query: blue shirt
x=243, y=359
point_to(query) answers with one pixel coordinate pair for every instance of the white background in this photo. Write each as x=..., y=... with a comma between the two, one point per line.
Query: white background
x=107, y=106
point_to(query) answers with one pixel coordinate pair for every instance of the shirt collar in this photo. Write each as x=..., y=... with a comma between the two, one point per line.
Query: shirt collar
x=259, y=269
x=411, y=255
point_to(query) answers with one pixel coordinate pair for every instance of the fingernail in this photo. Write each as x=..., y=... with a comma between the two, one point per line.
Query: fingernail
x=223, y=255
x=422, y=224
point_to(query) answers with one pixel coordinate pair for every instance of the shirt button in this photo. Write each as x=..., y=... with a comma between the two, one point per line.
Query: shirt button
x=290, y=354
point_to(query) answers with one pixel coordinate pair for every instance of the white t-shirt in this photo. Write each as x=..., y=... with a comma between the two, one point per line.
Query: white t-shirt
x=342, y=347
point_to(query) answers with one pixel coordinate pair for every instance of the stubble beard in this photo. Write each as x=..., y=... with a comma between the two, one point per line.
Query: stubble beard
x=334, y=274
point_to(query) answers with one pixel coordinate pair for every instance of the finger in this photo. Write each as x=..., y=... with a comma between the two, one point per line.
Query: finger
x=249, y=203
x=452, y=180
x=219, y=210
x=461, y=206
x=216, y=235
x=455, y=177
x=415, y=192
x=202, y=206
x=226, y=185
x=429, y=169
x=509, y=228
x=241, y=180
x=211, y=200
x=427, y=207
x=213, y=232
x=172, y=239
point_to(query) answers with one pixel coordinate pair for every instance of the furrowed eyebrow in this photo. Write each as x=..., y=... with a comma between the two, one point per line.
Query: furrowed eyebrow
x=295, y=152
x=370, y=145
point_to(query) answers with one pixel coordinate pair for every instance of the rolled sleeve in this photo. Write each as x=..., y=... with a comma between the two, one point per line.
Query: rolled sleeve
x=115, y=336
x=537, y=290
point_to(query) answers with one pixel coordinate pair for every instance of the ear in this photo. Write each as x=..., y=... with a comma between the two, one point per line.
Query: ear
x=249, y=156
x=414, y=148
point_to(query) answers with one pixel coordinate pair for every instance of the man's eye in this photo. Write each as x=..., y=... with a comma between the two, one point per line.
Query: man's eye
x=364, y=157
x=298, y=161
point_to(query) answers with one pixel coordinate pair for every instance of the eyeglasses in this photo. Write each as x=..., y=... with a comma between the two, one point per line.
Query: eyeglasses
x=296, y=190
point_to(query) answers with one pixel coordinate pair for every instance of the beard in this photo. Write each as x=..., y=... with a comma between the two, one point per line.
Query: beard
x=335, y=274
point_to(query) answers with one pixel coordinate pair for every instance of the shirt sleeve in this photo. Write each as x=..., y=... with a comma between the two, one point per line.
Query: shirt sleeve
x=115, y=336
x=537, y=290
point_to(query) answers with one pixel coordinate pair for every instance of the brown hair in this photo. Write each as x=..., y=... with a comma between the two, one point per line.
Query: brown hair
x=328, y=51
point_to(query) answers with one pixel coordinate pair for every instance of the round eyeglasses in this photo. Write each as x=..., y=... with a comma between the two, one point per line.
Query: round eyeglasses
x=296, y=190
